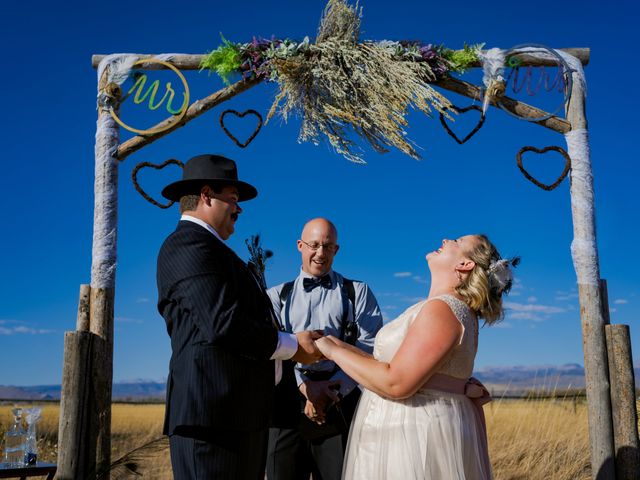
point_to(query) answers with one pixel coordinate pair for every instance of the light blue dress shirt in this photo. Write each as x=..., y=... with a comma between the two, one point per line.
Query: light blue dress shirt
x=323, y=309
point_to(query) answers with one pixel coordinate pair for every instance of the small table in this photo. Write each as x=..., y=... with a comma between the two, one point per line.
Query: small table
x=38, y=470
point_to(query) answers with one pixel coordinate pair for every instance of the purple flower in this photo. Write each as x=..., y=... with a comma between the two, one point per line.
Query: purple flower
x=428, y=52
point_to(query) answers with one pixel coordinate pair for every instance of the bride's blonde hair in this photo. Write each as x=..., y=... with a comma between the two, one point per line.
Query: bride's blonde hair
x=483, y=287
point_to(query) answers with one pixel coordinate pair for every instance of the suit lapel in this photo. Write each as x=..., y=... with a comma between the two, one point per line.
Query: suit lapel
x=248, y=268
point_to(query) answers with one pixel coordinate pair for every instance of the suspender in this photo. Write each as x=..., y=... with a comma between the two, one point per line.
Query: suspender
x=349, y=332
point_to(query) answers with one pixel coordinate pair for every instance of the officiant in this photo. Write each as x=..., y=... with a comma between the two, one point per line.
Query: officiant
x=315, y=403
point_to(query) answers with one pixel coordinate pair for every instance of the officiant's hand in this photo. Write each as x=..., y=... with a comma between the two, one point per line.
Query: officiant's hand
x=307, y=351
x=320, y=395
x=313, y=414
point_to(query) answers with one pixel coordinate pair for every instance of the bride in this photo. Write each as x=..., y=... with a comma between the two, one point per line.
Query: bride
x=420, y=416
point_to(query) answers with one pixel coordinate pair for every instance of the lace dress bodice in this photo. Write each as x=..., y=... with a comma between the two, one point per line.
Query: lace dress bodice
x=459, y=362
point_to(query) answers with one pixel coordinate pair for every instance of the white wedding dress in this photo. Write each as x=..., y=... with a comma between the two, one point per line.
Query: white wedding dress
x=431, y=435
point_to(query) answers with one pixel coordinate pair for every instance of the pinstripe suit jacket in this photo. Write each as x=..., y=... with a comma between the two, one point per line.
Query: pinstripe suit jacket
x=222, y=336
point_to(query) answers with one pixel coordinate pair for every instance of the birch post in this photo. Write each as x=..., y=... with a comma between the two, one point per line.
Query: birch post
x=585, y=260
x=103, y=268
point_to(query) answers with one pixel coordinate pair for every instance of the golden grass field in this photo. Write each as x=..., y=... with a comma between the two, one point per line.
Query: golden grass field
x=528, y=439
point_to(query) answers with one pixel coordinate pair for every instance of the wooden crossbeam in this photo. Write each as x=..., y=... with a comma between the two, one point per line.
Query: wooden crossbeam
x=192, y=61
x=514, y=106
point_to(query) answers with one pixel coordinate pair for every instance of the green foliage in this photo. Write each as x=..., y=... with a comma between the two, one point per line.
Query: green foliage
x=224, y=60
x=461, y=60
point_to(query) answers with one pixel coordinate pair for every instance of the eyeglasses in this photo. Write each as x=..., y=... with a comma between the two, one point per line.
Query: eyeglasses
x=314, y=247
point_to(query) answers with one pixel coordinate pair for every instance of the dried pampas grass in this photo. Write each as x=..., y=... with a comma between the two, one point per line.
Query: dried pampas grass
x=340, y=87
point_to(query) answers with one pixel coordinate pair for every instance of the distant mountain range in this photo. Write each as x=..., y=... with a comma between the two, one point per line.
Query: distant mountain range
x=511, y=381
x=519, y=380
x=140, y=390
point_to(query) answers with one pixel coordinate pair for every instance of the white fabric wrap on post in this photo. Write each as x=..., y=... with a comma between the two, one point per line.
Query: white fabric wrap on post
x=105, y=209
x=105, y=217
x=493, y=68
x=105, y=213
x=583, y=248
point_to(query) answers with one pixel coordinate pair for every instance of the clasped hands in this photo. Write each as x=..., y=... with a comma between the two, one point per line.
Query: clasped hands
x=313, y=347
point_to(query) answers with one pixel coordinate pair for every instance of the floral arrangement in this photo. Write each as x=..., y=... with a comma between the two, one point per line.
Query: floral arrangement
x=256, y=57
x=340, y=86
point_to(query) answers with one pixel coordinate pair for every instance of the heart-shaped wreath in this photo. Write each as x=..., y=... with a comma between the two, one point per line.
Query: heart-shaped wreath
x=544, y=186
x=459, y=111
x=134, y=177
x=241, y=115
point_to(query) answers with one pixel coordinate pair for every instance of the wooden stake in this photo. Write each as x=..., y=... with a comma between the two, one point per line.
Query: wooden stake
x=82, y=322
x=623, y=401
x=604, y=296
x=76, y=452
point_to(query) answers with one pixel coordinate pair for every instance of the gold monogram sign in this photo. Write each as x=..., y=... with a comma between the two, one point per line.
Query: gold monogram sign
x=141, y=96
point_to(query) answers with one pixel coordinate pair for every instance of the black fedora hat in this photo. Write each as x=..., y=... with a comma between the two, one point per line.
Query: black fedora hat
x=212, y=170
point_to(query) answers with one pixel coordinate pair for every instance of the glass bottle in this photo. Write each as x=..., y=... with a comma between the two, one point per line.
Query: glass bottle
x=14, y=441
x=32, y=415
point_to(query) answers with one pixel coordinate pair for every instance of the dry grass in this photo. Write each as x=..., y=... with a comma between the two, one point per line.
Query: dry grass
x=528, y=439
x=133, y=425
x=538, y=439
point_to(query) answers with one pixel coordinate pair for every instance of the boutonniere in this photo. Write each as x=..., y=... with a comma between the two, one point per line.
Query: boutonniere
x=258, y=258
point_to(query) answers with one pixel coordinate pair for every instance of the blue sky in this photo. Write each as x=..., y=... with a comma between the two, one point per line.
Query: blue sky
x=389, y=212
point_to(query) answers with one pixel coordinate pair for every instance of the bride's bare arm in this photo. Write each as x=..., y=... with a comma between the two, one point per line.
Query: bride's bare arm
x=348, y=346
x=432, y=335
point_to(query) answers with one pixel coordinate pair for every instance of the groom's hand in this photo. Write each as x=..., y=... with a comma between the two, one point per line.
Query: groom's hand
x=307, y=351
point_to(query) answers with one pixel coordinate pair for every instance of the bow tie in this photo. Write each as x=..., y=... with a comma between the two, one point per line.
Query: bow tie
x=311, y=283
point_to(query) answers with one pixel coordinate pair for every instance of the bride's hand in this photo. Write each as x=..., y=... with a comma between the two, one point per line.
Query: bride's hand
x=327, y=345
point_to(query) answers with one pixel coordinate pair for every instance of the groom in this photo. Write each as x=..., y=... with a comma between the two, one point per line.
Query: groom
x=224, y=338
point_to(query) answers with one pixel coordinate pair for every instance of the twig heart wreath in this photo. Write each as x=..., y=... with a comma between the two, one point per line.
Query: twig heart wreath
x=547, y=187
x=459, y=111
x=241, y=115
x=134, y=177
